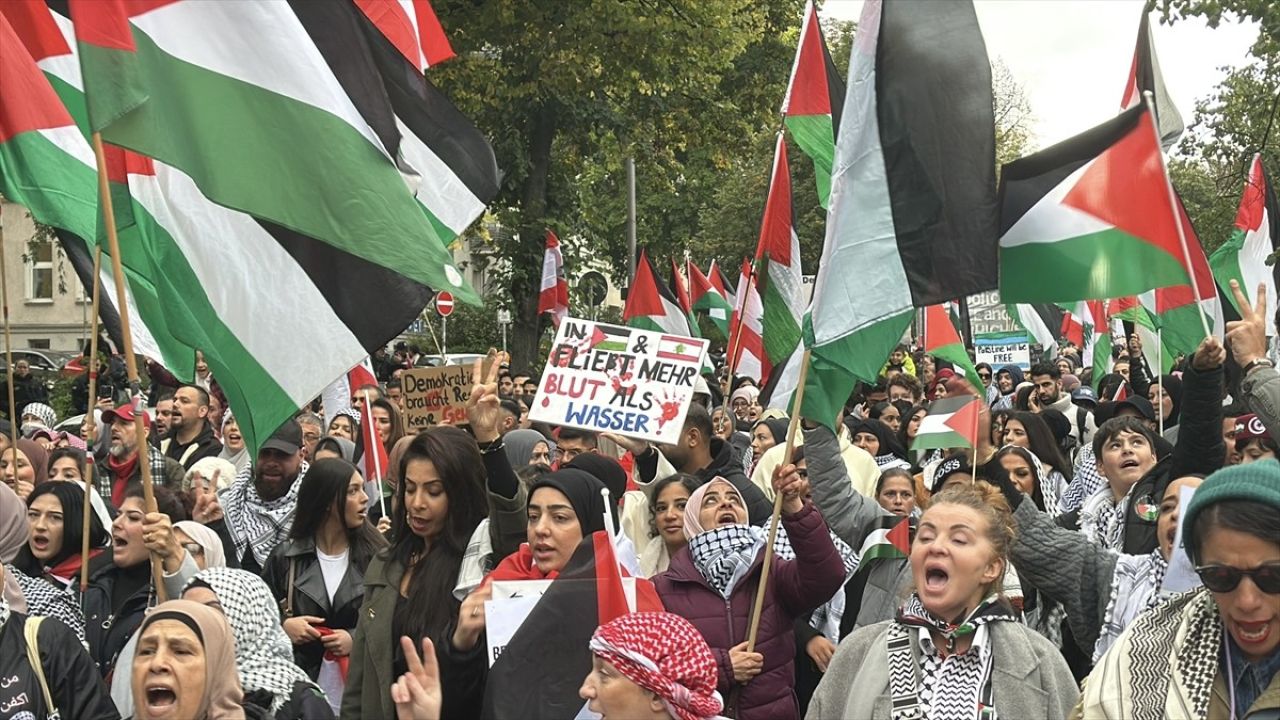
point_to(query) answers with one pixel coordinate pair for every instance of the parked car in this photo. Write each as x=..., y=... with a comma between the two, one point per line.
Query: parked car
x=46, y=365
x=447, y=359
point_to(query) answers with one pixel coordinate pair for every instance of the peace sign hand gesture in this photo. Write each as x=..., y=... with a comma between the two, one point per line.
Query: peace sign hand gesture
x=1248, y=335
x=417, y=694
x=483, y=408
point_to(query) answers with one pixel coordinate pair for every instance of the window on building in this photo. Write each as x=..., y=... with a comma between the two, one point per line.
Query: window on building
x=38, y=343
x=40, y=275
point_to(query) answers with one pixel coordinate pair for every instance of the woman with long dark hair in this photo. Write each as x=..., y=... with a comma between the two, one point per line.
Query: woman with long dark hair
x=55, y=513
x=1029, y=430
x=317, y=575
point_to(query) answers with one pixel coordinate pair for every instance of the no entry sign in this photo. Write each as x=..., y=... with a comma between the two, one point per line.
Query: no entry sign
x=444, y=303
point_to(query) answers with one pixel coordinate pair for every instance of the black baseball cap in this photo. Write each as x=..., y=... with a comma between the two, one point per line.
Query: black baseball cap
x=1138, y=403
x=286, y=439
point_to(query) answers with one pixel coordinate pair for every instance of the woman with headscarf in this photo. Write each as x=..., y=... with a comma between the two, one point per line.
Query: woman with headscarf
x=335, y=447
x=877, y=439
x=61, y=682
x=527, y=447
x=937, y=388
x=24, y=466
x=766, y=433
x=202, y=544
x=713, y=583
x=263, y=654
x=234, y=449
x=24, y=593
x=1166, y=397
x=186, y=665
x=651, y=665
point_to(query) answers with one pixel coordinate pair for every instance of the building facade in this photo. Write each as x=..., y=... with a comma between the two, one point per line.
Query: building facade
x=48, y=306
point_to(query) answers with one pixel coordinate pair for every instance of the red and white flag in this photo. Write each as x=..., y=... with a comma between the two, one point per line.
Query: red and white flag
x=553, y=296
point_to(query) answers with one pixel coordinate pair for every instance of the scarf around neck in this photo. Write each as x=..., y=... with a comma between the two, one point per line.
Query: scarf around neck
x=258, y=524
x=723, y=556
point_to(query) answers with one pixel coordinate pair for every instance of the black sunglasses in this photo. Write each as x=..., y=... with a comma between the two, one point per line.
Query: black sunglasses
x=1224, y=579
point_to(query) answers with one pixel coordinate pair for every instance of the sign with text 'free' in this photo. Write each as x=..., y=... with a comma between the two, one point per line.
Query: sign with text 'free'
x=625, y=380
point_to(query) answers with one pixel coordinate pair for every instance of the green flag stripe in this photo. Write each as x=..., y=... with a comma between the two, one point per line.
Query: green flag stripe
x=817, y=139
x=1105, y=264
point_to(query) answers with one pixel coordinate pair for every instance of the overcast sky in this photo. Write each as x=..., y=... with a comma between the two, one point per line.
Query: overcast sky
x=1072, y=56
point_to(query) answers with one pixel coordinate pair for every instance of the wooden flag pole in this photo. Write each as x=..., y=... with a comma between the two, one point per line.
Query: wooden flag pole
x=131, y=362
x=14, y=420
x=1160, y=371
x=735, y=348
x=754, y=627
x=90, y=424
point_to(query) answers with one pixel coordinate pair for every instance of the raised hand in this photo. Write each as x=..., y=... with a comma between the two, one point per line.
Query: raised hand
x=417, y=694
x=483, y=406
x=1248, y=335
x=1209, y=355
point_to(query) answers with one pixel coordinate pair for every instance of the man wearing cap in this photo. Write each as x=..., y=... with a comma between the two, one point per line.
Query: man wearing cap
x=258, y=507
x=120, y=466
x=1253, y=442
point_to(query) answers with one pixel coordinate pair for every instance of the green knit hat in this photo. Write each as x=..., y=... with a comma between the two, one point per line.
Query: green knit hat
x=1258, y=482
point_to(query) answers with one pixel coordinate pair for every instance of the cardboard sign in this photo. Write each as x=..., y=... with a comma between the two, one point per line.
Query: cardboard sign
x=1000, y=349
x=436, y=396
x=609, y=378
x=512, y=602
x=1181, y=575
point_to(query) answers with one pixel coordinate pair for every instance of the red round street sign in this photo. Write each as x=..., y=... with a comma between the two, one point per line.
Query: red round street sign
x=444, y=303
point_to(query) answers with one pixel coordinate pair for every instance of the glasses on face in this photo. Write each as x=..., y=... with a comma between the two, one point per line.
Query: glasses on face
x=984, y=376
x=1224, y=578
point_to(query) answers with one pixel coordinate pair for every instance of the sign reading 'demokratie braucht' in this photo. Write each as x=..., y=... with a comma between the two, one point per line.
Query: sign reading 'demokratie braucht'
x=625, y=380
x=437, y=395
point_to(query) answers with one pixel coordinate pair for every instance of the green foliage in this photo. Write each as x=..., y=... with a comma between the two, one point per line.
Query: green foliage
x=1263, y=12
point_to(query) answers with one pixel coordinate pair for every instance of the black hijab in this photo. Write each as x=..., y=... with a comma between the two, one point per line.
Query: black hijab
x=583, y=491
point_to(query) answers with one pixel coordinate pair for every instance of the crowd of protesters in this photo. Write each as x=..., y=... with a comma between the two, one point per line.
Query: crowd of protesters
x=1034, y=576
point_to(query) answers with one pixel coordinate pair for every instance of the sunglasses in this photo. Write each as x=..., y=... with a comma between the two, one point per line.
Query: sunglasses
x=984, y=376
x=1224, y=579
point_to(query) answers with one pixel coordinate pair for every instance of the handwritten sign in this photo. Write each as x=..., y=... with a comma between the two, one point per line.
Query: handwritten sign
x=999, y=349
x=619, y=379
x=436, y=396
x=512, y=602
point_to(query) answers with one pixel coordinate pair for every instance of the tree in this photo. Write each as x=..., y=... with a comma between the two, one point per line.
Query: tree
x=1015, y=123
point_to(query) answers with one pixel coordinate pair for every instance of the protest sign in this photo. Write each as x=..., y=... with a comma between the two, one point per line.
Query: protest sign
x=436, y=396
x=511, y=603
x=998, y=349
x=619, y=379
x=1181, y=575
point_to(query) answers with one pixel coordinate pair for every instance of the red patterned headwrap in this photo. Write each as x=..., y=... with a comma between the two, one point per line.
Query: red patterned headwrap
x=665, y=654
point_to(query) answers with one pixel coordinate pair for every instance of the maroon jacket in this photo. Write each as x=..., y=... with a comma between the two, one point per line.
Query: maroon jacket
x=795, y=588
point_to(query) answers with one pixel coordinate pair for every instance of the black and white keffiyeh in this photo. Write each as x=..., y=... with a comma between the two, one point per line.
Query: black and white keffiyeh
x=725, y=554
x=264, y=655
x=1102, y=518
x=1135, y=588
x=44, y=599
x=255, y=523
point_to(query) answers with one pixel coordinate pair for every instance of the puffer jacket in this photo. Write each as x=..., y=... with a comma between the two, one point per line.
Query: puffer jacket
x=107, y=632
x=795, y=588
x=74, y=685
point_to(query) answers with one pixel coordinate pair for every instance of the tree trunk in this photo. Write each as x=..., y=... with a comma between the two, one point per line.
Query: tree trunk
x=527, y=264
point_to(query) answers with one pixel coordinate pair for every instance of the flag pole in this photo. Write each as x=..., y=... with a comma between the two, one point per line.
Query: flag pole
x=735, y=348
x=754, y=627
x=1148, y=98
x=377, y=466
x=1159, y=372
x=14, y=420
x=131, y=362
x=91, y=424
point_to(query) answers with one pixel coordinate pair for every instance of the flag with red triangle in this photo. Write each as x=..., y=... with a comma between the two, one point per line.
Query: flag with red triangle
x=746, y=343
x=1144, y=76
x=650, y=303
x=1098, y=210
x=706, y=297
x=680, y=289
x=952, y=422
x=1243, y=257
x=722, y=283
x=815, y=96
x=553, y=295
x=941, y=340
x=413, y=29
x=778, y=275
x=886, y=542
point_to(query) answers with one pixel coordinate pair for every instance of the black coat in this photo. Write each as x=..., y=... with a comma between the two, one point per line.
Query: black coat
x=26, y=390
x=310, y=597
x=74, y=684
x=107, y=633
x=205, y=445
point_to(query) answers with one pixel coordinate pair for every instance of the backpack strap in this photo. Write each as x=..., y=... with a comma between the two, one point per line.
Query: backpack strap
x=30, y=633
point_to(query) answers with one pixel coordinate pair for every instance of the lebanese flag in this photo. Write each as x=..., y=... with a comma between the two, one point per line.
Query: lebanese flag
x=1090, y=218
x=1144, y=75
x=942, y=340
x=779, y=279
x=412, y=27
x=1243, y=257
x=952, y=422
x=705, y=296
x=651, y=304
x=812, y=105
x=746, y=343
x=553, y=296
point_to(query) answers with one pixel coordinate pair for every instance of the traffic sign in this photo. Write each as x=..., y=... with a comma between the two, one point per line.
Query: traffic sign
x=504, y=317
x=444, y=303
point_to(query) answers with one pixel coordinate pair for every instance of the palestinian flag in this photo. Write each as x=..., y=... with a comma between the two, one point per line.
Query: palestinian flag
x=614, y=338
x=778, y=275
x=680, y=289
x=952, y=422
x=412, y=27
x=1180, y=313
x=650, y=303
x=812, y=105
x=887, y=542
x=553, y=296
x=1144, y=76
x=746, y=343
x=1038, y=320
x=1256, y=237
x=913, y=205
x=242, y=97
x=722, y=283
x=705, y=296
x=1090, y=218
x=941, y=340
x=540, y=670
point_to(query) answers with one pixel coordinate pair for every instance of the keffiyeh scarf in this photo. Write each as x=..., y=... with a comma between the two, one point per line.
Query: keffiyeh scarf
x=664, y=654
x=724, y=555
x=255, y=523
x=1102, y=519
x=1135, y=588
x=951, y=686
x=44, y=599
x=263, y=652
x=1087, y=482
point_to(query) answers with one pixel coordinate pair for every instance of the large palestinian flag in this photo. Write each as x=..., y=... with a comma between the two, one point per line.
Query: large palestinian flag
x=1090, y=218
x=815, y=94
x=952, y=422
x=705, y=296
x=1256, y=236
x=778, y=274
x=913, y=209
x=1144, y=76
x=650, y=303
